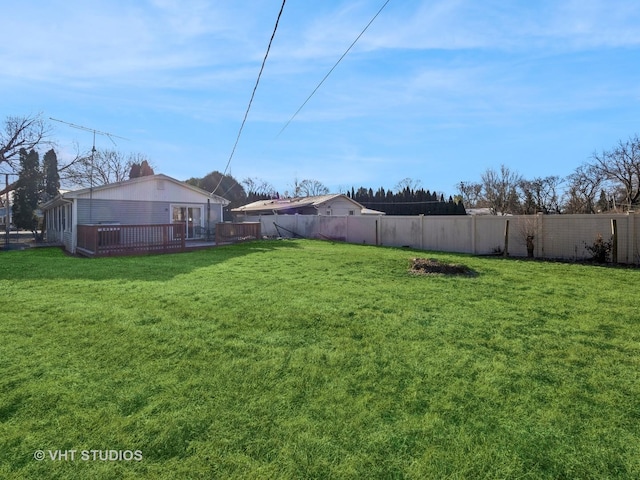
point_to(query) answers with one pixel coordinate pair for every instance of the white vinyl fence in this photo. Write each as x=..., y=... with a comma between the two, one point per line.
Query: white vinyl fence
x=554, y=236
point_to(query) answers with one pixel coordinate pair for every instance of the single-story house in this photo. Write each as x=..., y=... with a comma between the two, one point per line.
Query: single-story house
x=336, y=204
x=110, y=210
x=6, y=215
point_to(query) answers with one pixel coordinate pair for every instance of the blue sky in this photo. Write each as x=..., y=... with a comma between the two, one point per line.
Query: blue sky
x=437, y=91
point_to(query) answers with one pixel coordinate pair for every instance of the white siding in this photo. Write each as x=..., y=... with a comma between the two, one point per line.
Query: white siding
x=157, y=190
x=338, y=207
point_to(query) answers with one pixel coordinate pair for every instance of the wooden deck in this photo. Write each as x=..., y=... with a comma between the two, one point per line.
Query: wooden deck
x=112, y=240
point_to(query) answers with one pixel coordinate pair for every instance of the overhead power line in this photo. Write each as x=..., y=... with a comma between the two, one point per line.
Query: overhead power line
x=333, y=68
x=246, y=114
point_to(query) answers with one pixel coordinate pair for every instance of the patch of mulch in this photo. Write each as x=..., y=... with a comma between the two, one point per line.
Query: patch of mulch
x=430, y=266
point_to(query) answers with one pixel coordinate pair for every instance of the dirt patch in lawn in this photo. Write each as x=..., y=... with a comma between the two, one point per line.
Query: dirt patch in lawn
x=430, y=266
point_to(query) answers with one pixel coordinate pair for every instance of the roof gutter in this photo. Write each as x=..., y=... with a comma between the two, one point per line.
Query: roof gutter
x=54, y=202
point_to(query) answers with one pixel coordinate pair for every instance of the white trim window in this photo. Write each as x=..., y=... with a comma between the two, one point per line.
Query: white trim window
x=191, y=215
x=69, y=210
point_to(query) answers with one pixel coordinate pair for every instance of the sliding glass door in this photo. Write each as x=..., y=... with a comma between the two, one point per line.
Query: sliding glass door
x=191, y=217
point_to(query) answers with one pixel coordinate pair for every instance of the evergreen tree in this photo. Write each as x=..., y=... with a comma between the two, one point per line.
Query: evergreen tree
x=134, y=171
x=26, y=194
x=407, y=201
x=603, y=202
x=145, y=169
x=223, y=185
x=141, y=169
x=50, y=176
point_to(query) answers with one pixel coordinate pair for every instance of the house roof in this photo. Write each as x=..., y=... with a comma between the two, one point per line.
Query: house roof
x=105, y=189
x=285, y=204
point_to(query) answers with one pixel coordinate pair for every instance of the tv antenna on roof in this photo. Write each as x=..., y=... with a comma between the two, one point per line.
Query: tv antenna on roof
x=111, y=137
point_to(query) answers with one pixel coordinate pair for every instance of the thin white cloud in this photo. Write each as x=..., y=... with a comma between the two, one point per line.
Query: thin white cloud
x=119, y=40
x=436, y=69
x=467, y=24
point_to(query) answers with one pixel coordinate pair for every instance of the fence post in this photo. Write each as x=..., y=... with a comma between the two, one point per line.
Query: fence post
x=614, y=240
x=631, y=237
x=506, y=239
x=346, y=229
x=422, y=231
x=473, y=234
x=539, y=235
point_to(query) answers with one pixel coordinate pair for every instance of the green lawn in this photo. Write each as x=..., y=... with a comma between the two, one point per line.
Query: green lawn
x=308, y=359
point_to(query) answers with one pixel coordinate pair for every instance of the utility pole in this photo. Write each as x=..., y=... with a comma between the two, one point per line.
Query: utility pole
x=6, y=211
x=111, y=137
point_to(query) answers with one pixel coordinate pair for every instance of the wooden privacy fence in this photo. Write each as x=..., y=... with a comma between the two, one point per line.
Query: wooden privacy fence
x=229, y=232
x=108, y=240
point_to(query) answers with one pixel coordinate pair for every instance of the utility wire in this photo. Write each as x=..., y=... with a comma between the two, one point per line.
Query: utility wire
x=364, y=202
x=333, y=68
x=246, y=114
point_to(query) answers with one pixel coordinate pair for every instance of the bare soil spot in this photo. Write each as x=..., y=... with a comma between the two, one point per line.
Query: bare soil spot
x=430, y=266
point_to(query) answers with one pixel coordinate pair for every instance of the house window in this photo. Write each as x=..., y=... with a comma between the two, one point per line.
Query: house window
x=351, y=212
x=66, y=218
x=328, y=211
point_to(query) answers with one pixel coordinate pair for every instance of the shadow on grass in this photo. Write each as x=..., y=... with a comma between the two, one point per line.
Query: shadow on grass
x=53, y=263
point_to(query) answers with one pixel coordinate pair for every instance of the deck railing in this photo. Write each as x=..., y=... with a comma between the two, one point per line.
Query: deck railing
x=106, y=240
x=228, y=232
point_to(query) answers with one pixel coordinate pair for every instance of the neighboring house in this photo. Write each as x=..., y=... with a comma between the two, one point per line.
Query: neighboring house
x=479, y=211
x=485, y=211
x=4, y=213
x=335, y=205
x=150, y=200
x=6, y=201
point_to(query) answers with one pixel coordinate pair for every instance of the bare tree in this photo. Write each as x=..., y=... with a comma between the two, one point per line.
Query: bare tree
x=104, y=166
x=258, y=186
x=470, y=193
x=306, y=188
x=407, y=183
x=21, y=132
x=584, y=184
x=527, y=227
x=621, y=167
x=295, y=189
x=540, y=195
x=500, y=190
x=309, y=188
